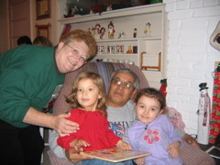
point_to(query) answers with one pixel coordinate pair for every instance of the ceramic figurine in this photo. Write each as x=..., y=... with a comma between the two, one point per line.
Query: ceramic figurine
x=135, y=33
x=96, y=31
x=121, y=35
x=129, y=51
x=111, y=30
x=102, y=32
x=147, y=29
x=109, y=7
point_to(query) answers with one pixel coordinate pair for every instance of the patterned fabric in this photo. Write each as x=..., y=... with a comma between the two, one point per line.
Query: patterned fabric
x=215, y=115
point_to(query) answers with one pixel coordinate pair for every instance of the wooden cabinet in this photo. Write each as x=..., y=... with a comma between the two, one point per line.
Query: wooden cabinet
x=149, y=48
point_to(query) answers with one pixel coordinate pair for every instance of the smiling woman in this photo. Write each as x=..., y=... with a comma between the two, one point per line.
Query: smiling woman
x=31, y=83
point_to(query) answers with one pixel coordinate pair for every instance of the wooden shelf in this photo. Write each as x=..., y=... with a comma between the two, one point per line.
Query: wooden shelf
x=144, y=9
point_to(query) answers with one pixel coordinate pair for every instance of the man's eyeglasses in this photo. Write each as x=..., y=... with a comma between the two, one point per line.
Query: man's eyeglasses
x=81, y=58
x=123, y=84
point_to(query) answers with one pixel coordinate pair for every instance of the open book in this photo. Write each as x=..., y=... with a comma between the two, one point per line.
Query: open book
x=115, y=154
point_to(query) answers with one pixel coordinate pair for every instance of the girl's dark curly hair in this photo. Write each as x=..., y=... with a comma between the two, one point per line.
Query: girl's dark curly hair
x=152, y=93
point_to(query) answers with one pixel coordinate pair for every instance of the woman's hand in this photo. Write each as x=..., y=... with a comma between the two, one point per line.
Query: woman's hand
x=64, y=126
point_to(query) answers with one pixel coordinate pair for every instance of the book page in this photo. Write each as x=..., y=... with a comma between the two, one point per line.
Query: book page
x=115, y=154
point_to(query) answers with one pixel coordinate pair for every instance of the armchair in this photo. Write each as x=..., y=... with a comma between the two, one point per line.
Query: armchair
x=190, y=154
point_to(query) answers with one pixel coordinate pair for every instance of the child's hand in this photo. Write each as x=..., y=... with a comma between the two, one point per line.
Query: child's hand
x=140, y=161
x=123, y=145
x=174, y=149
x=77, y=144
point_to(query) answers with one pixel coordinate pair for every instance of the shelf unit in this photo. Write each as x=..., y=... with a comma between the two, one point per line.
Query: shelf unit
x=126, y=20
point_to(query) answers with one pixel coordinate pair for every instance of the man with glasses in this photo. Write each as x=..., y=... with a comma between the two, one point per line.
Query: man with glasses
x=121, y=113
x=30, y=78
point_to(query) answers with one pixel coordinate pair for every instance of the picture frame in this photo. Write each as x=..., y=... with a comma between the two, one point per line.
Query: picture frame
x=43, y=30
x=43, y=9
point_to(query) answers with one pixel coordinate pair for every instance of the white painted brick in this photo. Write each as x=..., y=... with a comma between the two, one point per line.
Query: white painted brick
x=192, y=37
x=189, y=108
x=187, y=48
x=174, y=25
x=180, y=98
x=179, y=66
x=180, y=82
x=196, y=4
x=194, y=23
x=172, y=73
x=180, y=15
x=202, y=66
x=191, y=57
x=187, y=91
x=182, y=5
x=170, y=7
x=169, y=1
x=191, y=75
x=207, y=12
x=211, y=2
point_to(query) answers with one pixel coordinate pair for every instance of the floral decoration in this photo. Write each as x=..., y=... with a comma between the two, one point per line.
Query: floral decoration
x=151, y=136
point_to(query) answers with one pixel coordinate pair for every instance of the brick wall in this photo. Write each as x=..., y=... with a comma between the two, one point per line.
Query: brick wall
x=190, y=56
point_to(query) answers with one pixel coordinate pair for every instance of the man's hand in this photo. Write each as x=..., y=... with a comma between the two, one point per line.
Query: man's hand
x=189, y=139
x=174, y=149
x=123, y=145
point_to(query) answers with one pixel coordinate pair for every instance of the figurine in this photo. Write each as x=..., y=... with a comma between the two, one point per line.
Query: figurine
x=135, y=33
x=121, y=35
x=111, y=30
x=147, y=29
x=109, y=7
x=102, y=32
x=96, y=31
x=129, y=51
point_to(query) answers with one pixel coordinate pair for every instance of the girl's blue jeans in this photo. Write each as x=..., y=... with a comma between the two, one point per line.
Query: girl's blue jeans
x=102, y=162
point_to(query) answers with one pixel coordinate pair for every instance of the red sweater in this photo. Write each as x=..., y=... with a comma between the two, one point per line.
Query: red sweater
x=94, y=128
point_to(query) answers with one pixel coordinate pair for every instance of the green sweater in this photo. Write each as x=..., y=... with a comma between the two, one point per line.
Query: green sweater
x=28, y=77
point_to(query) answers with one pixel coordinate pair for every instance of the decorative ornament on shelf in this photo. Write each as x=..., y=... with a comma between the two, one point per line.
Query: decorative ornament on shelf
x=129, y=51
x=121, y=35
x=147, y=29
x=109, y=7
x=102, y=32
x=111, y=30
x=69, y=9
x=98, y=8
x=98, y=31
x=135, y=33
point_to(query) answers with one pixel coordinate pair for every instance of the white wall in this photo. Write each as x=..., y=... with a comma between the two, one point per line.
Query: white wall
x=191, y=58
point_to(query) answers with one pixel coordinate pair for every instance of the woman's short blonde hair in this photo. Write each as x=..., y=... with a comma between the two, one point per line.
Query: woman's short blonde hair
x=81, y=35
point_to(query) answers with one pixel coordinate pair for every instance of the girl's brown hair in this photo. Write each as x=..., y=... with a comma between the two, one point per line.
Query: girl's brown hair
x=152, y=93
x=98, y=81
